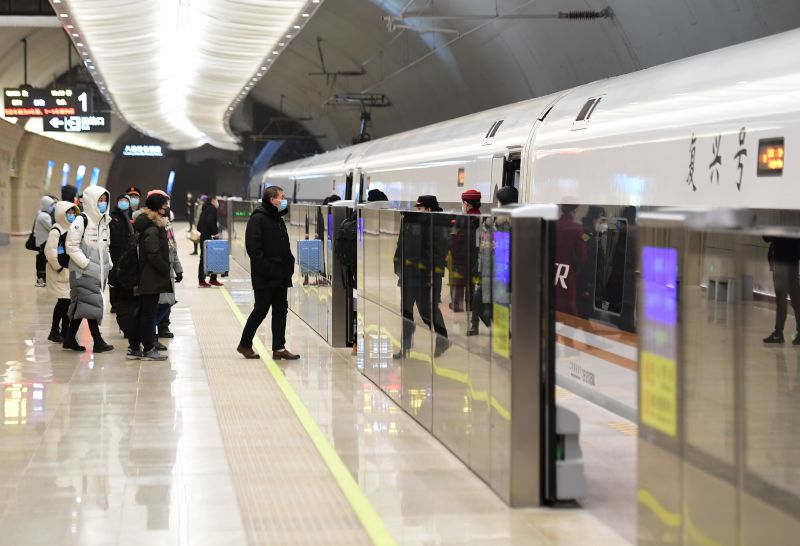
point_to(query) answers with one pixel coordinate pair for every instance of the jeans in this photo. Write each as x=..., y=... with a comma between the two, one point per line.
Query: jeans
x=266, y=298
x=41, y=264
x=201, y=274
x=127, y=309
x=142, y=332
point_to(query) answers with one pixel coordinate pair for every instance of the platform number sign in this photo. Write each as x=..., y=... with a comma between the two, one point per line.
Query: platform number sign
x=27, y=102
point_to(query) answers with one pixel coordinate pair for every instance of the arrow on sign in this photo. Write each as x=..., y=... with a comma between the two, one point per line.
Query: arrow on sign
x=56, y=122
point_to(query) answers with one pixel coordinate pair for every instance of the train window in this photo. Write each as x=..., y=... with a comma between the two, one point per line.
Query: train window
x=546, y=112
x=610, y=266
x=584, y=113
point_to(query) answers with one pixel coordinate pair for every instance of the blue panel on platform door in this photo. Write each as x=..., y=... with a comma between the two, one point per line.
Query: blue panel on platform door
x=216, y=256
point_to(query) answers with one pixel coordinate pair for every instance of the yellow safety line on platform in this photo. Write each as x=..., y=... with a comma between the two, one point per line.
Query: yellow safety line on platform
x=352, y=491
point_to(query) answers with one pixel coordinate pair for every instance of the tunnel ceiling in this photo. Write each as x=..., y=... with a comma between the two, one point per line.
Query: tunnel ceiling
x=473, y=60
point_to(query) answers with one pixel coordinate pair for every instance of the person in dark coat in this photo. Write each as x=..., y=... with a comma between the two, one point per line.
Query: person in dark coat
x=208, y=226
x=783, y=256
x=121, y=235
x=570, y=258
x=154, y=275
x=271, y=267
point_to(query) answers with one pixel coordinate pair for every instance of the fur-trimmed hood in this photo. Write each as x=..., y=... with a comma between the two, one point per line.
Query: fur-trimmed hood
x=147, y=217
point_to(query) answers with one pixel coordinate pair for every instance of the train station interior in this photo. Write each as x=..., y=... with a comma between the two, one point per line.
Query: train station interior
x=399, y=272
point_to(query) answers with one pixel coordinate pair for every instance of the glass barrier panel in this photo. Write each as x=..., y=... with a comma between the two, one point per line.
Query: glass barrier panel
x=388, y=256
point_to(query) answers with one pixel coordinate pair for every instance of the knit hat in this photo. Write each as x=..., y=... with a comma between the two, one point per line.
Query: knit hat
x=471, y=195
x=376, y=195
x=204, y=198
x=507, y=195
x=156, y=200
x=133, y=190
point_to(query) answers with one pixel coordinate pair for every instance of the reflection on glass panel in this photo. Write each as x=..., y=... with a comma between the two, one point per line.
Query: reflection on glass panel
x=390, y=295
x=708, y=367
x=772, y=365
x=370, y=285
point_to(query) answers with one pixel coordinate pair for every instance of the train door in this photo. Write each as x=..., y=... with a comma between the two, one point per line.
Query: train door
x=348, y=186
x=506, y=170
x=359, y=197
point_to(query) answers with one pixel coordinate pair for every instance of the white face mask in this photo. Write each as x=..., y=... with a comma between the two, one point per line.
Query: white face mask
x=602, y=227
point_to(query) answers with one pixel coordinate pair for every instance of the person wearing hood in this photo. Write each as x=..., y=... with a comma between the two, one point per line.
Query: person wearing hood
x=58, y=268
x=154, y=275
x=89, y=263
x=208, y=226
x=271, y=267
x=41, y=228
x=123, y=238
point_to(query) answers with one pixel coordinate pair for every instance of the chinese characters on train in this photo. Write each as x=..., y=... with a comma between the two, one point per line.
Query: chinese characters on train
x=717, y=157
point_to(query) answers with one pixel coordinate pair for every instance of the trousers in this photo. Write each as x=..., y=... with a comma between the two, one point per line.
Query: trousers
x=41, y=264
x=60, y=317
x=201, y=274
x=266, y=298
x=142, y=333
x=786, y=283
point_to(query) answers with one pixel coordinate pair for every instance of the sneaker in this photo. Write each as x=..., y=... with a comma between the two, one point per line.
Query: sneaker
x=102, y=347
x=133, y=354
x=203, y=284
x=153, y=354
x=774, y=337
x=40, y=283
x=165, y=333
x=159, y=346
x=55, y=337
x=215, y=282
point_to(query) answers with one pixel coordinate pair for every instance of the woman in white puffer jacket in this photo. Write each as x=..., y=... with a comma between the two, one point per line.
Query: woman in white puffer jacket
x=58, y=268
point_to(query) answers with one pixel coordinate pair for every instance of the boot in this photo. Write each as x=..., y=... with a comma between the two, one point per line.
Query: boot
x=55, y=337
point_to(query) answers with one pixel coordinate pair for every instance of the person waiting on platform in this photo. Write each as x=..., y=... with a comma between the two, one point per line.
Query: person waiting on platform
x=208, y=226
x=154, y=276
x=89, y=263
x=271, y=267
x=41, y=228
x=58, y=269
x=507, y=195
x=783, y=256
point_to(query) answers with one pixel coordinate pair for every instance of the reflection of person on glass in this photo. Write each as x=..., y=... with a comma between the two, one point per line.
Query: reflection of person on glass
x=419, y=263
x=783, y=256
x=594, y=224
x=570, y=258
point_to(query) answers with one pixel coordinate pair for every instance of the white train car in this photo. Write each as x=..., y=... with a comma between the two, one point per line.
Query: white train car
x=711, y=130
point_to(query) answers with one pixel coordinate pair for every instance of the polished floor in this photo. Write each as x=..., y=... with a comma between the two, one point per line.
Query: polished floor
x=208, y=448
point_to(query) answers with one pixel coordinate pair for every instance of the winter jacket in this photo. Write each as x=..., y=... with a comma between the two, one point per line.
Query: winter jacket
x=267, y=243
x=89, y=260
x=208, y=223
x=168, y=298
x=43, y=223
x=121, y=228
x=58, y=276
x=154, y=269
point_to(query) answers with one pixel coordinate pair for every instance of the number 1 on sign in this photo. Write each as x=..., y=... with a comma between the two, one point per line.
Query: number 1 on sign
x=84, y=99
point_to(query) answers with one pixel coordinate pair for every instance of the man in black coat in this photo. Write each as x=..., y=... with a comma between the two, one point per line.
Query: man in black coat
x=271, y=268
x=123, y=301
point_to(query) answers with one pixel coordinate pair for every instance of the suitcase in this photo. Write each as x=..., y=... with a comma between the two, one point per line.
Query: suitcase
x=216, y=257
x=309, y=254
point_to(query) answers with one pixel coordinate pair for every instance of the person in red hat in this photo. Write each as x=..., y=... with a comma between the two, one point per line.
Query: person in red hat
x=460, y=256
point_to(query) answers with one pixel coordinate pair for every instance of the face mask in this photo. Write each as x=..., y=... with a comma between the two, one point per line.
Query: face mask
x=102, y=207
x=134, y=202
x=165, y=213
x=70, y=218
x=52, y=209
x=216, y=205
x=602, y=228
x=283, y=205
x=123, y=205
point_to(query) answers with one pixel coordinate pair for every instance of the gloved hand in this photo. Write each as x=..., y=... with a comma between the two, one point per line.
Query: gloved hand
x=178, y=277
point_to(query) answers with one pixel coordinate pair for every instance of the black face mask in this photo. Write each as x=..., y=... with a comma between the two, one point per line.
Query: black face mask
x=165, y=214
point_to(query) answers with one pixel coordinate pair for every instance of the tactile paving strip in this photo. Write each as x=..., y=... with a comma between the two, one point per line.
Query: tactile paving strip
x=286, y=493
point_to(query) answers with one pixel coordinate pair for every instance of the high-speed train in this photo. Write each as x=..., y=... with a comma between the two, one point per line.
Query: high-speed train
x=712, y=130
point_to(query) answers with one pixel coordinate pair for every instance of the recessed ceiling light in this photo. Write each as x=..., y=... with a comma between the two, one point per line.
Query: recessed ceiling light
x=281, y=44
x=75, y=34
x=305, y=15
x=64, y=15
x=296, y=26
x=80, y=44
x=70, y=27
x=288, y=35
x=274, y=52
x=263, y=68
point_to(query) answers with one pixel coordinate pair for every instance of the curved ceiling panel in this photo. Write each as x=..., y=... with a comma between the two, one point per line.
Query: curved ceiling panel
x=174, y=68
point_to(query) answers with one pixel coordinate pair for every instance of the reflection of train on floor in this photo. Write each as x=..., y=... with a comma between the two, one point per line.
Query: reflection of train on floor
x=705, y=131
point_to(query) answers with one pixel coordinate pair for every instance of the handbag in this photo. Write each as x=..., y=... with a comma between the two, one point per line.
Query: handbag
x=30, y=243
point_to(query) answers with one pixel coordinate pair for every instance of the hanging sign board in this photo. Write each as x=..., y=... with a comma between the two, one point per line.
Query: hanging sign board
x=98, y=123
x=27, y=102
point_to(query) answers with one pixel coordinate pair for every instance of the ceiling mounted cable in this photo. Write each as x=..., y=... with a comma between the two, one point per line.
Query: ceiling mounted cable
x=174, y=69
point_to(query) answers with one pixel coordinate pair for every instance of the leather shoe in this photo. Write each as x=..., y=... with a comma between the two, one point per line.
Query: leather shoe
x=284, y=355
x=246, y=352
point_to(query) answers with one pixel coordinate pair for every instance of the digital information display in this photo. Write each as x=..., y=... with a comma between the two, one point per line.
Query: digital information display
x=143, y=150
x=658, y=379
x=770, y=157
x=98, y=123
x=31, y=102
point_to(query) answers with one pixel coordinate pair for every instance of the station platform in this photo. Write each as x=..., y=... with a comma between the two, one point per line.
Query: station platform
x=209, y=448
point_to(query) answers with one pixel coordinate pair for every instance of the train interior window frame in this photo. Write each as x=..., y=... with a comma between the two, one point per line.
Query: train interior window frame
x=610, y=221
x=585, y=113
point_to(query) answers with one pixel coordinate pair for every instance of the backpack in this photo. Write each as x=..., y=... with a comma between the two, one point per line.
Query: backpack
x=127, y=269
x=63, y=257
x=346, y=243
